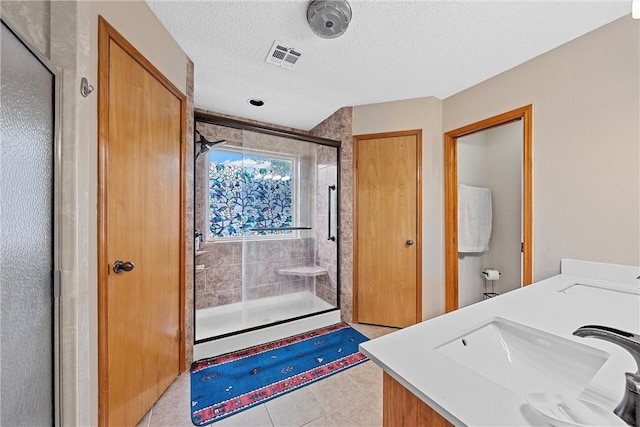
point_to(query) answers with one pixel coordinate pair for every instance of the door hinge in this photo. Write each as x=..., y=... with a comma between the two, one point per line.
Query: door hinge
x=180, y=335
x=522, y=247
x=56, y=283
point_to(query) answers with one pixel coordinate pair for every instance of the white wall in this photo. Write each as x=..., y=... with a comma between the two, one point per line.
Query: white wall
x=504, y=178
x=472, y=155
x=425, y=114
x=586, y=143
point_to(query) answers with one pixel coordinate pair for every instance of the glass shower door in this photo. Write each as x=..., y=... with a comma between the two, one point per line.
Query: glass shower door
x=327, y=220
x=270, y=251
x=26, y=236
x=279, y=253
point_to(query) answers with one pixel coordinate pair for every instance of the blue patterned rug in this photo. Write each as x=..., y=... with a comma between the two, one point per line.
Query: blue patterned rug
x=225, y=385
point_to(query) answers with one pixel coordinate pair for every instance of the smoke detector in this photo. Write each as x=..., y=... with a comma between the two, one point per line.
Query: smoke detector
x=329, y=19
x=284, y=56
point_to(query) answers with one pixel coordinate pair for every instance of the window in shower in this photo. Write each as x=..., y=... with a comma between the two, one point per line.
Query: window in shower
x=251, y=194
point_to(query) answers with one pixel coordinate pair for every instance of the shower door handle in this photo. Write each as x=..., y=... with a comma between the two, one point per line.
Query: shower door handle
x=120, y=266
x=330, y=237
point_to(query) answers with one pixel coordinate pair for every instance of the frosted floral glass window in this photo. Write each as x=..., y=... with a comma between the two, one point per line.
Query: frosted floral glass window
x=249, y=194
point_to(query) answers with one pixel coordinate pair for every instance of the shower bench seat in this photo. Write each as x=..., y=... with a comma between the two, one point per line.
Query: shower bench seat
x=305, y=271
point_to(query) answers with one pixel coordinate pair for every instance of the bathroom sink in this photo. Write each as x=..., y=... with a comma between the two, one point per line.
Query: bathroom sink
x=524, y=359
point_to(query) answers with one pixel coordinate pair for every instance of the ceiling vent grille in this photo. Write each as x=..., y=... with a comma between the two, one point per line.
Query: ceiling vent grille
x=283, y=56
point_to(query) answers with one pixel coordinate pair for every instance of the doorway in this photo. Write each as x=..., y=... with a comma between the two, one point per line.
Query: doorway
x=387, y=224
x=459, y=139
x=141, y=127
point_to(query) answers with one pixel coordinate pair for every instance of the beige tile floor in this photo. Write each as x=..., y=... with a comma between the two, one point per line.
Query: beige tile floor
x=349, y=398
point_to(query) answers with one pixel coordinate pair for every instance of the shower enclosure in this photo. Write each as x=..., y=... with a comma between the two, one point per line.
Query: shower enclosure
x=29, y=255
x=266, y=220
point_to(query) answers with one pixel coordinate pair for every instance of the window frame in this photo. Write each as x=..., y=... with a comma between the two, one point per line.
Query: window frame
x=295, y=193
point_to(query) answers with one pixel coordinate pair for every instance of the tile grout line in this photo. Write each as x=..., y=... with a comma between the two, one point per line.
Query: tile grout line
x=324, y=409
x=269, y=414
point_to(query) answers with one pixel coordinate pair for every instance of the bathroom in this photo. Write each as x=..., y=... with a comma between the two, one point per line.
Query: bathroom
x=585, y=146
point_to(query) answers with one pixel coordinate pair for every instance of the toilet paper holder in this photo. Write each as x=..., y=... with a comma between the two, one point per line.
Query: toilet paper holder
x=491, y=274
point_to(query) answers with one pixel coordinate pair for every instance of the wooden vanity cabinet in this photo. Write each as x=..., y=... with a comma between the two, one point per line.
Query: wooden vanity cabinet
x=400, y=407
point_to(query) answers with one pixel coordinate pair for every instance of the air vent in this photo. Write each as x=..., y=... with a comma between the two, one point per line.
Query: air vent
x=283, y=56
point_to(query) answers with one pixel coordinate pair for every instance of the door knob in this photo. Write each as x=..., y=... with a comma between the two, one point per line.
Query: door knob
x=119, y=266
x=409, y=242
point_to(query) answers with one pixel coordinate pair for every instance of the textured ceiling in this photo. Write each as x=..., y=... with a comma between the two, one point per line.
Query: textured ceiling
x=392, y=50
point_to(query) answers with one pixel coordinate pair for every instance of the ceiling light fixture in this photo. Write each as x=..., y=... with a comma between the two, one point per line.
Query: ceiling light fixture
x=256, y=102
x=329, y=19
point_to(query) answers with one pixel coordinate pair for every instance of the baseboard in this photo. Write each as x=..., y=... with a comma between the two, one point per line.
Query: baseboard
x=261, y=336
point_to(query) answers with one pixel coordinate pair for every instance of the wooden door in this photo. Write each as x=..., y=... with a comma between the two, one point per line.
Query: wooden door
x=388, y=247
x=141, y=128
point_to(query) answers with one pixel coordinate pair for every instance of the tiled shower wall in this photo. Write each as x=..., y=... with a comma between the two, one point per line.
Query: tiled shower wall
x=339, y=126
x=221, y=281
x=188, y=221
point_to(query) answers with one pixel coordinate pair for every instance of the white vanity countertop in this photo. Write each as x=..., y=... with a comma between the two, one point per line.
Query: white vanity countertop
x=465, y=397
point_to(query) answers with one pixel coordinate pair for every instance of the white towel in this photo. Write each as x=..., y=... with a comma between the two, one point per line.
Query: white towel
x=474, y=219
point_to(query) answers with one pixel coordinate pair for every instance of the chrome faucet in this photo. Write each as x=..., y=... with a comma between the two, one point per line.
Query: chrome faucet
x=629, y=408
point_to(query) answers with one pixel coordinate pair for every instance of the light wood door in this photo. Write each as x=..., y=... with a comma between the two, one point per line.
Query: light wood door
x=140, y=203
x=388, y=248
